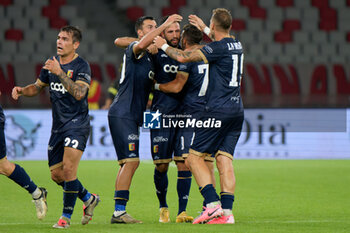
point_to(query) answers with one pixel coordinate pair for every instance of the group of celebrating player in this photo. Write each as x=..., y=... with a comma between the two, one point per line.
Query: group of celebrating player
x=200, y=81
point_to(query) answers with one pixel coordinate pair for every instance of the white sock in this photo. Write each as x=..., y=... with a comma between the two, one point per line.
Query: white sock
x=36, y=194
x=227, y=212
x=118, y=212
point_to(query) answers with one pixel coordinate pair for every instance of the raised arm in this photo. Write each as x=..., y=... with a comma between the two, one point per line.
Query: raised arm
x=123, y=42
x=29, y=91
x=77, y=89
x=174, y=86
x=178, y=54
x=148, y=38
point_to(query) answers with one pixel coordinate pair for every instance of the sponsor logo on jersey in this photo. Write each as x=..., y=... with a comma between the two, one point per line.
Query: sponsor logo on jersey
x=133, y=137
x=170, y=68
x=160, y=139
x=58, y=87
x=131, y=146
x=70, y=73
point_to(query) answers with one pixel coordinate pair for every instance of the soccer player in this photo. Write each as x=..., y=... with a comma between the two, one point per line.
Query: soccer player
x=191, y=79
x=224, y=103
x=126, y=112
x=16, y=173
x=68, y=76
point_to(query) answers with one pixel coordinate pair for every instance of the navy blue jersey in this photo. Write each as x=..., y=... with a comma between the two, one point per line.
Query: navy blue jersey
x=196, y=85
x=67, y=112
x=134, y=86
x=225, y=58
x=165, y=71
x=2, y=116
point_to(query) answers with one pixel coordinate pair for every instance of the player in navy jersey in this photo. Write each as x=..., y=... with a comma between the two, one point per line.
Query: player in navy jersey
x=125, y=115
x=224, y=104
x=68, y=77
x=165, y=142
x=192, y=78
x=16, y=173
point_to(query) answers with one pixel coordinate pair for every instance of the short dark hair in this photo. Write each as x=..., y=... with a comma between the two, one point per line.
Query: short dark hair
x=192, y=34
x=76, y=32
x=222, y=18
x=139, y=22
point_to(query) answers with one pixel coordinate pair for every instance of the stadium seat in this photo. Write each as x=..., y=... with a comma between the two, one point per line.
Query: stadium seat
x=156, y=12
x=6, y=2
x=161, y=3
x=169, y=11
x=14, y=12
x=285, y=3
x=238, y=25
x=283, y=37
x=14, y=34
x=135, y=12
x=40, y=3
x=124, y=4
x=68, y=12
x=50, y=12
x=58, y=3
x=58, y=23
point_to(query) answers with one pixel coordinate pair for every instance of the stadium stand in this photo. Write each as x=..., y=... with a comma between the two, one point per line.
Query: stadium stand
x=307, y=33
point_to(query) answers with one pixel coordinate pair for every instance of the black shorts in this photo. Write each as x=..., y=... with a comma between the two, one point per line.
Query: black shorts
x=74, y=138
x=221, y=140
x=125, y=136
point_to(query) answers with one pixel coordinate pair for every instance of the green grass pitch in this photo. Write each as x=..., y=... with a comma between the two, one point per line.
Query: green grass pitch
x=271, y=196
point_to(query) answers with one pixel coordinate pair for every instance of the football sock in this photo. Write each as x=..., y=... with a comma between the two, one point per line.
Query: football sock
x=121, y=197
x=227, y=200
x=71, y=190
x=161, y=183
x=83, y=194
x=209, y=194
x=20, y=176
x=183, y=188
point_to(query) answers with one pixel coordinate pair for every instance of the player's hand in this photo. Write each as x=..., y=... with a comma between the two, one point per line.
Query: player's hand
x=173, y=18
x=196, y=21
x=16, y=92
x=159, y=41
x=53, y=66
x=152, y=49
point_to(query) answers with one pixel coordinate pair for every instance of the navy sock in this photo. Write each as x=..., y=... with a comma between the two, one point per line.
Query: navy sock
x=161, y=183
x=20, y=176
x=121, y=197
x=184, y=179
x=71, y=190
x=227, y=200
x=83, y=194
x=209, y=194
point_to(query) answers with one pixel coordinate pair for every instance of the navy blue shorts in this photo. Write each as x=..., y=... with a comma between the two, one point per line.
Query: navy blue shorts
x=162, y=144
x=74, y=138
x=2, y=141
x=125, y=136
x=221, y=140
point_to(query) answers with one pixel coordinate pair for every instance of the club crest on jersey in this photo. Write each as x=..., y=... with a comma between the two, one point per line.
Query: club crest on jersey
x=70, y=73
x=131, y=146
x=155, y=149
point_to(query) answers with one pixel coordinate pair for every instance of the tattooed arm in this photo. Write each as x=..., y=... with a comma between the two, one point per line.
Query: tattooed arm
x=178, y=54
x=77, y=89
x=29, y=91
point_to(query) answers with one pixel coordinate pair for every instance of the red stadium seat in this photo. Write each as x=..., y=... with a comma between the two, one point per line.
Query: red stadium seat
x=58, y=23
x=96, y=72
x=249, y=3
x=348, y=2
x=169, y=11
x=319, y=3
x=343, y=83
x=5, y=2
x=291, y=25
x=319, y=84
x=283, y=37
x=57, y=3
x=177, y=3
x=111, y=71
x=285, y=3
x=328, y=25
x=348, y=37
x=238, y=25
x=50, y=12
x=14, y=34
x=135, y=12
x=257, y=12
